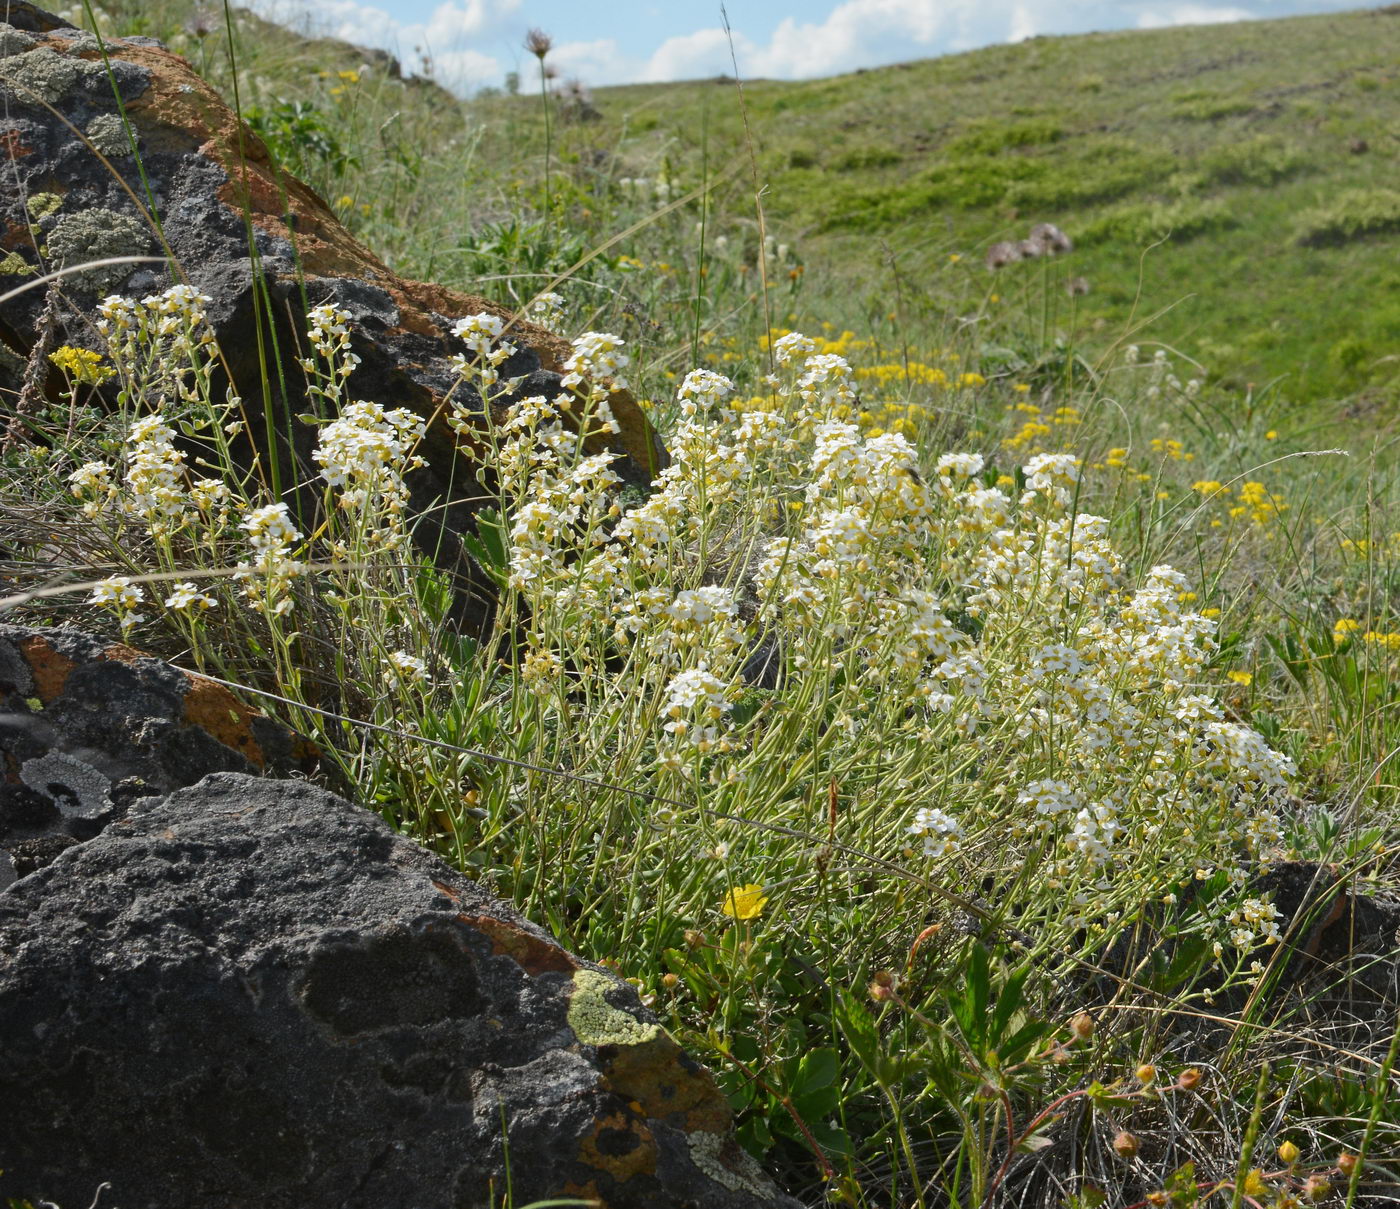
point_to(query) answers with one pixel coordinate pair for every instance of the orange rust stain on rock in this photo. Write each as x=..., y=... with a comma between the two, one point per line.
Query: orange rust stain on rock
x=620, y=1145
x=448, y=891
x=50, y=669
x=214, y=709
x=657, y=1075
x=12, y=147
x=530, y=953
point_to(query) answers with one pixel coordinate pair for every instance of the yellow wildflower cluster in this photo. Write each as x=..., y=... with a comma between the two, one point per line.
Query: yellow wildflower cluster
x=1347, y=627
x=1029, y=438
x=1254, y=501
x=82, y=365
x=1381, y=547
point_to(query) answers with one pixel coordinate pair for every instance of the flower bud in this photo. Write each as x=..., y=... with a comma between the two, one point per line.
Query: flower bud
x=1288, y=1153
x=1347, y=1163
x=1189, y=1079
x=670, y=981
x=1158, y=1198
x=1316, y=1187
x=1125, y=1145
x=694, y=939
x=1146, y=1074
x=882, y=986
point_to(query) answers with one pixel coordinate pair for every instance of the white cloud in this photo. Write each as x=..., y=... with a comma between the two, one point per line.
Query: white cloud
x=1190, y=14
x=596, y=62
x=444, y=37
x=693, y=56
x=1023, y=24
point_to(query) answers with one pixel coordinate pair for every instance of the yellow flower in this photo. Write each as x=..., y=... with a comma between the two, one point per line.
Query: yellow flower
x=82, y=365
x=1245, y=678
x=745, y=902
x=1271, y=435
x=1254, y=1184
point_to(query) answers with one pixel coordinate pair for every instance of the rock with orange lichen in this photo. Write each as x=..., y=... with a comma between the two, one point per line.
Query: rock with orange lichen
x=88, y=725
x=254, y=993
x=207, y=203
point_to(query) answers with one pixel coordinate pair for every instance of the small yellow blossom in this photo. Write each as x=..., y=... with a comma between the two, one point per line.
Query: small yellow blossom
x=1245, y=678
x=745, y=902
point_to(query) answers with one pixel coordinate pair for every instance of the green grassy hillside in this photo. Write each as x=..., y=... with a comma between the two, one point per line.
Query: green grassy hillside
x=1258, y=158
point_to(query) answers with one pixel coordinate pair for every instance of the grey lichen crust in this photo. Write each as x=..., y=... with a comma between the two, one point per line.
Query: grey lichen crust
x=41, y=74
x=107, y=134
x=709, y=1152
x=13, y=41
x=95, y=235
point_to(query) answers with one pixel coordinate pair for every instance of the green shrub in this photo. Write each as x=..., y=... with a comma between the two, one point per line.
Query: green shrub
x=1149, y=222
x=1204, y=106
x=1355, y=214
x=988, y=138
x=1262, y=160
x=862, y=158
x=1102, y=172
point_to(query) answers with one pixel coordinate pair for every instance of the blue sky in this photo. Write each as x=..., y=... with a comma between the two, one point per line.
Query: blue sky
x=475, y=42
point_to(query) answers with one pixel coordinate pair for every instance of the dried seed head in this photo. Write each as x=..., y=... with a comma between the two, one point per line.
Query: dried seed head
x=538, y=43
x=1082, y=1026
x=1125, y=1145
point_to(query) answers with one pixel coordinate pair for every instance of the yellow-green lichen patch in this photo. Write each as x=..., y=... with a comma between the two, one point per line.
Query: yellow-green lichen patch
x=15, y=265
x=595, y=1021
x=41, y=205
x=728, y=1164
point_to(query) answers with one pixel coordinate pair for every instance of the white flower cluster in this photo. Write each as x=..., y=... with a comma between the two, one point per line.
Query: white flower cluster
x=940, y=831
x=364, y=454
x=272, y=535
x=547, y=310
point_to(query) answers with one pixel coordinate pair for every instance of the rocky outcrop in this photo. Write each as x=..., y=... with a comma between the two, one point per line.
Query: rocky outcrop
x=87, y=726
x=206, y=199
x=251, y=992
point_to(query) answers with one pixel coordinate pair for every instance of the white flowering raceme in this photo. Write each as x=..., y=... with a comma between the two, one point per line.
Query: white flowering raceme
x=547, y=310
x=403, y=670
x=270, y=572
x=119, y=594
x=479, y=332
x=598, y=355
x=1051, y=476
x=792, y=346
x=187, y=598
x=939, y=831
x=703, y=390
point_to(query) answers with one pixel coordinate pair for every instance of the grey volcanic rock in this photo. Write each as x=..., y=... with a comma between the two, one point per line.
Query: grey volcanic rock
x=252, y=993
x=87, y=726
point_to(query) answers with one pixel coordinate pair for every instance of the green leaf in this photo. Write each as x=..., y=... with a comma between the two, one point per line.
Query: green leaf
x=817, y=1069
